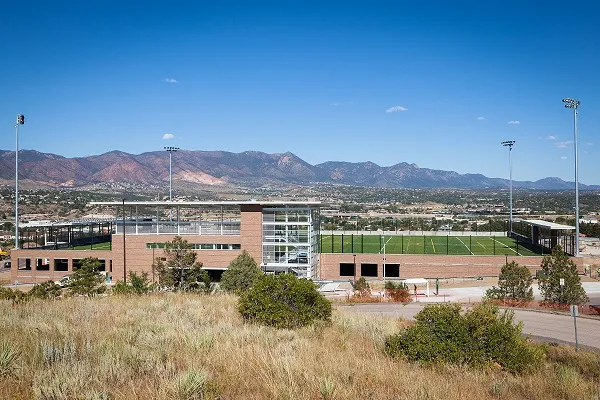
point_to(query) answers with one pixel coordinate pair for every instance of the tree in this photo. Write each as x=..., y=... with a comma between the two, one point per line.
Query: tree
x=284, y=301
x=556, y=267
x=241, y=274
x=87, y=280
x=514, y=284
x=180, y=271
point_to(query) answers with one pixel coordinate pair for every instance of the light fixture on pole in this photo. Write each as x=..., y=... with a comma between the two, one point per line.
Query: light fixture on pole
x=20, y=121
x=171, y=150
x=510, y=144
x=574, y=104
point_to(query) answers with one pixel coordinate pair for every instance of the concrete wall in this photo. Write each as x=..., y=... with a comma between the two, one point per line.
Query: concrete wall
x=428, y=266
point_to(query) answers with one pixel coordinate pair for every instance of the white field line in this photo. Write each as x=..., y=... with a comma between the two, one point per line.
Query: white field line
x=385, y=244
x=519, y=254
x=460, y=240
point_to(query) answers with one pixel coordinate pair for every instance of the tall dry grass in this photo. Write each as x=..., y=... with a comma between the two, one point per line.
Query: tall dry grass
x=178, y=346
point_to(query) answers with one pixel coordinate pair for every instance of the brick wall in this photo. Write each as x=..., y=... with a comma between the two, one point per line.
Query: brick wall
x=34, y=276
x=428, y=266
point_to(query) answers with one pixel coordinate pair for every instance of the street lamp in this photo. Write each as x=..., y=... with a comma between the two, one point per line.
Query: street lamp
x=510, y=144
x=20, y=121
x=171, y=150
x=574, y=104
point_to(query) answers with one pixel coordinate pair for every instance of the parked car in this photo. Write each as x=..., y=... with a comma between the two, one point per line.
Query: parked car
x=64, y=281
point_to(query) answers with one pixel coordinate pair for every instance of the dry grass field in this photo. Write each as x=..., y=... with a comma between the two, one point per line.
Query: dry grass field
x=180, y=346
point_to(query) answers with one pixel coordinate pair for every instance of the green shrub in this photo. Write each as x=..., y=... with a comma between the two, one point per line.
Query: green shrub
x=284, y=301
x=137, y=284
x=240, y=274
x=16, y=296
x=361, y=287
x=478, y=338
x=45, y=290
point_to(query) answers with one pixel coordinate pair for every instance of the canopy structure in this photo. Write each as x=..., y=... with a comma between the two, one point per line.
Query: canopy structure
x=418, y=281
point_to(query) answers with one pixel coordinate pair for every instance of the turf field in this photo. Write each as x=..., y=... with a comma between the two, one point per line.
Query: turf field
x=456, y=245
x=95, y=246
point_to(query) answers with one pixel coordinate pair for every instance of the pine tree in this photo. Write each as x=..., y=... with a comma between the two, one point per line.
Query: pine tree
x=514, y=283
x=556, y=267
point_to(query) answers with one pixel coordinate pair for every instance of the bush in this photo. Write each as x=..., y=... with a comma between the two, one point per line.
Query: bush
x=478, y=338
x=16, y=296
x=361, y=287
x=284, y=301
x=45, y=290
x=240, y=274
x=138, y=285
x=397, y=292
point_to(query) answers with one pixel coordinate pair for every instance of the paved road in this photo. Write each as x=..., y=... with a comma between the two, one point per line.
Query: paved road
x=542, y=325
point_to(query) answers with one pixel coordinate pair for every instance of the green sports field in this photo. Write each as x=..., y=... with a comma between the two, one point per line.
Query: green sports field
x=454, y=245
x=95, y=246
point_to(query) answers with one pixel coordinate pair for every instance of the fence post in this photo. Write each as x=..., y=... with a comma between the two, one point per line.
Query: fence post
x=362, y=243
x=342, y=242
x=352, y=243
x=494, y=240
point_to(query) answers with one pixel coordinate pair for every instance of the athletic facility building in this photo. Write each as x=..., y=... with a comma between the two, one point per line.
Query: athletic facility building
x=282, y=236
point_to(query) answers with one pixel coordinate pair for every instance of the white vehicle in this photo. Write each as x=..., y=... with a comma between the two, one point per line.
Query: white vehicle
x=64, y=281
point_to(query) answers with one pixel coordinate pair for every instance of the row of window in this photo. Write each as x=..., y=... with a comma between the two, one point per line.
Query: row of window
x=59, y=264
x=369, y=270
x=200, y=246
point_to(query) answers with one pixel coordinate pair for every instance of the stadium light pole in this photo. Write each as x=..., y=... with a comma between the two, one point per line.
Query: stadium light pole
x=20, y=121
x=510, y=144
x=125, y=247
x=574, y=104
x=171, y=150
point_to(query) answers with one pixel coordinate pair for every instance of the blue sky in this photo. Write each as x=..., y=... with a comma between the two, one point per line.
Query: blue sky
x=420, y=82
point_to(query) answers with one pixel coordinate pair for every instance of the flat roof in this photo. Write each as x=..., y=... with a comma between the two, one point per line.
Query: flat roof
x=208, y=203
x=545, y=224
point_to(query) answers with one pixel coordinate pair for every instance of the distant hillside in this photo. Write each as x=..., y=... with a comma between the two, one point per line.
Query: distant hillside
x=247, y=168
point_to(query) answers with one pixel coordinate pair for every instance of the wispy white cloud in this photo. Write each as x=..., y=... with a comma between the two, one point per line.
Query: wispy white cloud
x=514, y=122
x=590, y=143
x=395, y=109
x=480, y=118
x=171, y=80
x=343, y=103
x=563, y=157
x=168, y=136
x=562, y=145
x=551, y=137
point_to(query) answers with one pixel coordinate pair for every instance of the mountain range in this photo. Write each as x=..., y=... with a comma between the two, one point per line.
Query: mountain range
x=246, y=168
